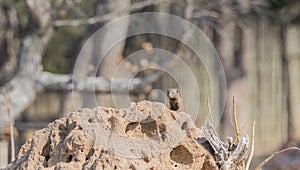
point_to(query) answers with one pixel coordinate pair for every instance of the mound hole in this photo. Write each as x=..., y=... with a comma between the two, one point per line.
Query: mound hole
x=182, y=155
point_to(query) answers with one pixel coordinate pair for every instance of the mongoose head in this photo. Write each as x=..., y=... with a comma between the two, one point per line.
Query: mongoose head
x=173, y=93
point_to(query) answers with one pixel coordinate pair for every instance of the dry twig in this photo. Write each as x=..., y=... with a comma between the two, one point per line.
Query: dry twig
x=273, y=155
x=236, y=127
x=252, y=147
x=209, y=109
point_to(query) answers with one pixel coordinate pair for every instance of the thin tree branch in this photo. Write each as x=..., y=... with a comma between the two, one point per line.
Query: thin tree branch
x=51, y=81
x=106, y=17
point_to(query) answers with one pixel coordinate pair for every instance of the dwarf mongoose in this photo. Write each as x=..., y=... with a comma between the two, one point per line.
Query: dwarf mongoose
x=175, y=99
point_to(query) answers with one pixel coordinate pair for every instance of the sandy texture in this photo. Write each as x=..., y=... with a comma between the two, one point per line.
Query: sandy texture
x=146, y=135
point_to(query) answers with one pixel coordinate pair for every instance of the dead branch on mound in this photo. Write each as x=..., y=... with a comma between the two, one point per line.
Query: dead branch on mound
x=227, y=155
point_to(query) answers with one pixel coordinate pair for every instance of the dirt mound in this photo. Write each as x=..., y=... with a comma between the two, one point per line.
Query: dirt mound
x=146, y=135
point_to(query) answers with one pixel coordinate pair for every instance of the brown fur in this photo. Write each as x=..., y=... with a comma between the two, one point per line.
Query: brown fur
x=175, y=99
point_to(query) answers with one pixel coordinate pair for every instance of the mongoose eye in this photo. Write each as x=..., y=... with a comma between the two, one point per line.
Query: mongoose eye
x=177, y=90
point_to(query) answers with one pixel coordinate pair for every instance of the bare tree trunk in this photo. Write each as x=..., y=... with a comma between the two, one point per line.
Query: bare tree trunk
x=224, y=40
x=110, y=62
x=270, y=115
x=89, y=66
x=8, y=58
x=292, y=42
x=286, y=86
x=21, y=89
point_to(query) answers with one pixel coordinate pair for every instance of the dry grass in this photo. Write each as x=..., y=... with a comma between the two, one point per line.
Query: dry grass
x=11, y=126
